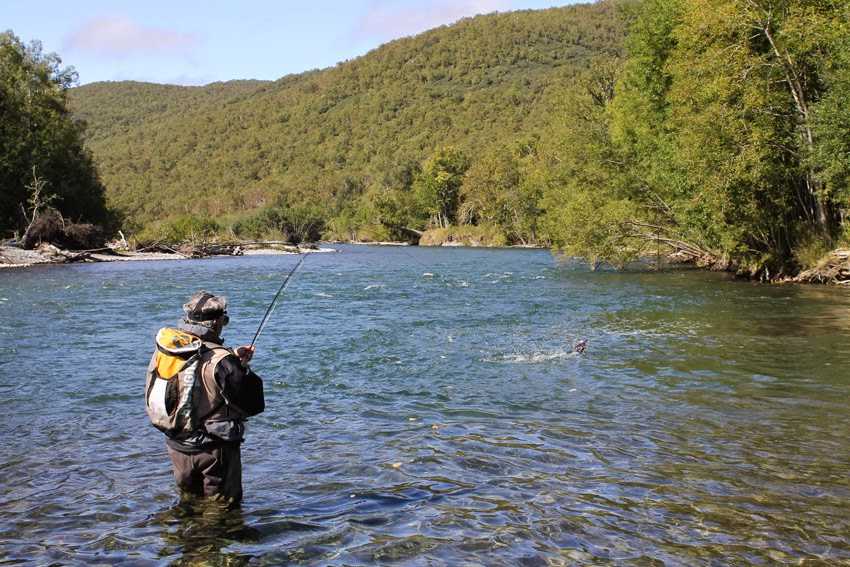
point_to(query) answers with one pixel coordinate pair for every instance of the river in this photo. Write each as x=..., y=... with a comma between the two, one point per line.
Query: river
x=424, y=407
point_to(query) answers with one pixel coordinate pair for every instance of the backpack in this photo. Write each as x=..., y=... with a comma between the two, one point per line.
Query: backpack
x=174, y=383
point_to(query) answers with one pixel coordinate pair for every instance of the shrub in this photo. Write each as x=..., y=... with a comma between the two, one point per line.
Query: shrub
x=51, y=227
x=811, y=248
x=485, y=235
x=293, y=224
x=180, y=229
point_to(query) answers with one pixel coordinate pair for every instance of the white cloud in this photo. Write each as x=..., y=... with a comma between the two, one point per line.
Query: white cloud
x=119, y=36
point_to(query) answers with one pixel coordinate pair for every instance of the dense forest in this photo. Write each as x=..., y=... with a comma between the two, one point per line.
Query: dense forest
x=363, y=150
x=44, y=168
x=724, y=134
x=718, y=130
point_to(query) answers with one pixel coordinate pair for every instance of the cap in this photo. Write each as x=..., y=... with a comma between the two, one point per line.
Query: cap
x=205, y=306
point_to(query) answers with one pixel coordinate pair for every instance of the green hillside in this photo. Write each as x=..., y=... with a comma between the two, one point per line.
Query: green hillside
x=322, y=139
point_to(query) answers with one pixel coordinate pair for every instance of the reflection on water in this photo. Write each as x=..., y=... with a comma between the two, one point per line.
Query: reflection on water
x=200, y=531
x=426, y=407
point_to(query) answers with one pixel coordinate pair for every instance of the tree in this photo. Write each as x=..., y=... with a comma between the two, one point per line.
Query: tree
x=37, y=202
x=594, y=186
x=37, y=132
x=438, y=185
x=495, y=191
x=746, y=77
x=792, y=34
x=830, y=115
x=724, y=138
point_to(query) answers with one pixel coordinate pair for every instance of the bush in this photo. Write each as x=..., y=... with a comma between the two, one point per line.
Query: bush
x=52, y=228
x=293, y=224
x=83, y=236
x=467, y=235
x=810, y=249
x=180, y=229
x=373, y=233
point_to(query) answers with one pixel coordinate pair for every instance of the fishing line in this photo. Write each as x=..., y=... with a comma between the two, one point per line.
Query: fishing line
x=276, y=296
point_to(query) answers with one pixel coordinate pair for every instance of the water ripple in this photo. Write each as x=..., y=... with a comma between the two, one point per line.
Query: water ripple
x=425, y=407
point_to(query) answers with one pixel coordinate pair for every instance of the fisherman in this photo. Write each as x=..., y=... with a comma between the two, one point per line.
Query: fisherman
x=199, y=393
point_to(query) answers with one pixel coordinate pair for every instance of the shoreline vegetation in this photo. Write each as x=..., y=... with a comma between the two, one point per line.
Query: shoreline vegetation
x=832, y=269
x=712, y=134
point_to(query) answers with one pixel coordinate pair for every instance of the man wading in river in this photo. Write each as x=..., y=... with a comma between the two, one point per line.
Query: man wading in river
x=199, y=394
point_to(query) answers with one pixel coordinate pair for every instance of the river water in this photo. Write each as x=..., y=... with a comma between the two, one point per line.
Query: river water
x=424, y=407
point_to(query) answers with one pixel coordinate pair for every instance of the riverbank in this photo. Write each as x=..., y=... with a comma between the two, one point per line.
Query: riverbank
x=832, y=269
x=47, y=254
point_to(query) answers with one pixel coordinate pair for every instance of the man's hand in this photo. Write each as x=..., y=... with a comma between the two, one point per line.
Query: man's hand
x=245, y=353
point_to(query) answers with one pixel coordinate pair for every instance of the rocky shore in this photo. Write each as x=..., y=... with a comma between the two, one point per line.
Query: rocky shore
x=15, y=257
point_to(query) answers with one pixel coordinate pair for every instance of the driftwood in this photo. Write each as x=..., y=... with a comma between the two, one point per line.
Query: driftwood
x=158, y=247
x=206, y=249
x=57, y=255
x=833, y=269
x=13, y=255
x=203, y=250
x=73, y=257
x=279, y=244
x=413, y=235
x=411, y=231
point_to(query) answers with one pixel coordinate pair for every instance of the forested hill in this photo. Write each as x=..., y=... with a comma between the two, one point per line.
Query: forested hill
x=324, y=138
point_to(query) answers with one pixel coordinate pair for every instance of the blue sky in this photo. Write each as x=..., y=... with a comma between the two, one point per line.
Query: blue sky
x=198, y=42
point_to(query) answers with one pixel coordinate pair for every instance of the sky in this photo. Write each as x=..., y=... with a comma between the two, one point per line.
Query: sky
x=195, y=42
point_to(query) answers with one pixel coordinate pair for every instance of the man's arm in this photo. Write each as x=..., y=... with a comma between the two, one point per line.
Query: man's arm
x=240, y=385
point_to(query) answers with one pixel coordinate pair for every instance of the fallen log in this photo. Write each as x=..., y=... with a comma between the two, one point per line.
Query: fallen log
x=834, y=268
x=74, y=257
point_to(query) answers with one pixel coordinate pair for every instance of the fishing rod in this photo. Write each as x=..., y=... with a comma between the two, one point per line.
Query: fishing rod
x=276, y=296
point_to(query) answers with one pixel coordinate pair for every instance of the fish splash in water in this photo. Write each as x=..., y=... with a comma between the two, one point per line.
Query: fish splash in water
x=531, y=358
